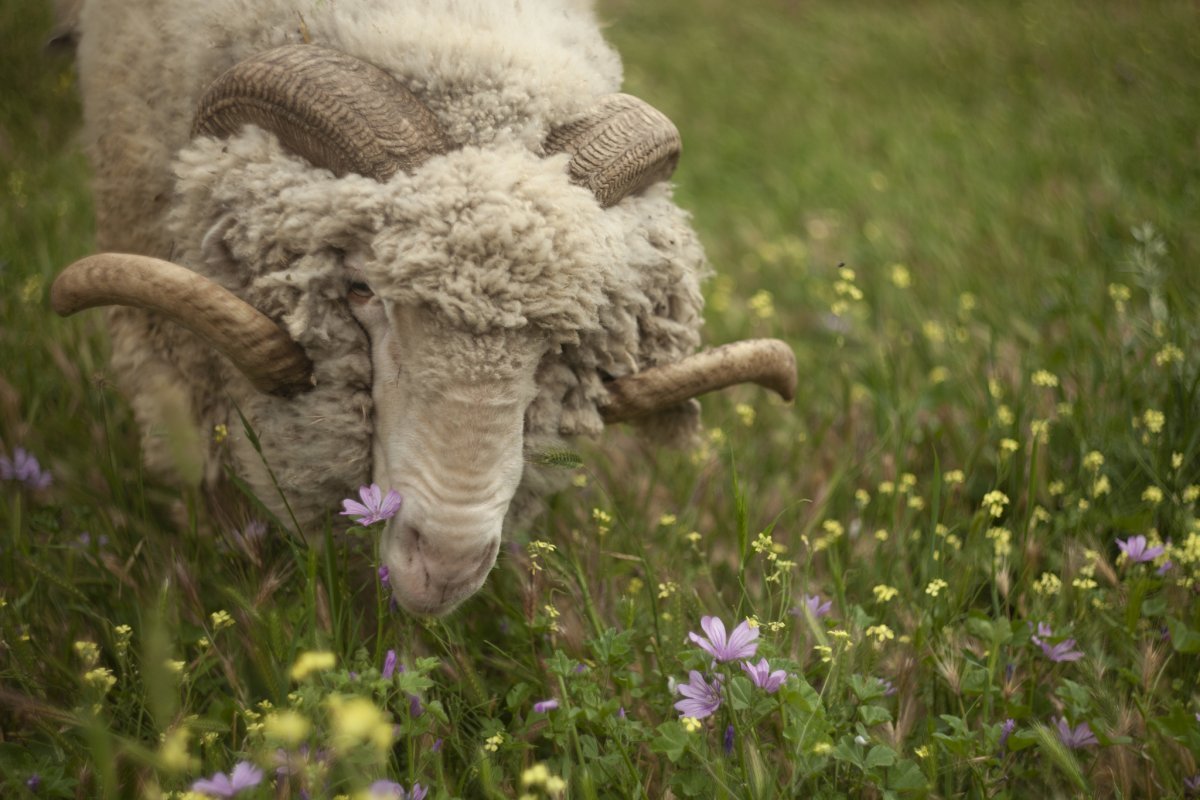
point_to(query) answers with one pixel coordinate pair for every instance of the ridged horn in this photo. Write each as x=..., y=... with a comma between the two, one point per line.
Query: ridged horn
x=619, y=147
x=768, y=362
x=336, y=111
x=258, y=347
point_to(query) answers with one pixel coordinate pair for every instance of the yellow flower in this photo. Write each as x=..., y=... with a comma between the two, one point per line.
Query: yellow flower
x=762, y=304
x=933, y=331
x=1049, y=584
x=838, y=633
x=555, y=784
x=1170, y=354
x=665, y=590
x=885, y=593
x=693, y=537
x=173, y=752
x=901, y=277
x=635, y=586
x=762, y=543
x=887, y=487
x=1004, y=415
x=288, y=727
x=908, y=480
x=1152, y=495
x=1083, y=583
x=745, y=413
x=1191, y=494
x=220, y=433
x=312, y=661
x=173, y=666
x=921, y=752
x=1176, y=460
x=1093, y=461
x=826, y=652
x=88, y=652
x=1045, y=379
x=221, y=620
x=579, y=481
x=1009, y=446
x=935, y=587
x=881, y=535
x=666, y=520
x=357, y=721
x=1056, y=488
x=1001, y=541
x=690, y=724
x=493, y=742
x=537, y=775
x=939, y=375
x=954, y=477
x=862, y=497
x=1153, y=420
x=821, y=748
x=966, y=303
x=995, y=501
x=101, y=678
x=833, y=528
x=916, y=503
x=881, y=633
x=601, y=516
x=1039, y=429
x=1101, y=486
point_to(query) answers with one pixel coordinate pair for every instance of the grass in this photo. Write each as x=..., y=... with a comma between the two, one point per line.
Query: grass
x=976, y=225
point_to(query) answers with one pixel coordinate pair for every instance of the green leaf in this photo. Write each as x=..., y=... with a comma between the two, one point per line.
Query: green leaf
x=672, y=741
x=907, y=777
x=874, y=715
x=740, y=693
x=880, y=756
x=1183, y=638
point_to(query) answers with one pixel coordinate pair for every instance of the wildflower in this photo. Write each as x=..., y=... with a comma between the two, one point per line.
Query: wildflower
x=289, y=727
x=740, y=644
x=1005, y=731
x=1079, y=736
x=885, y=593
x=815, y=607
x=1049, y=584
x=374, y=507
x=745, y=414
x=1153, y=495
x=935, y=587
x=701, y=698
x=1153, y=420
x=690, y=724
x=389, y=665
x=995, y=501
x=727, y=744
x=881, y=633
x=384, y=790
x=88, y=652
x=357, y=720
x=385, y=576
x=1004, y=415
x=761, y=303
x=762, y=676
x=244, y=776
x=1058, y=653
x=954, y=477
x=221, y=620
x=101, y=678
x=921, y=752
x=543, y=706
x=1093, y=461
x=886, y=487
x=1192, y=784
x=881, y=535
x=33, y=782
x=1134, y=548
x=493, y=742
x=24, y=468
x=901, y=277
x=312, y=661
x=693, y=537
x=1045, y=379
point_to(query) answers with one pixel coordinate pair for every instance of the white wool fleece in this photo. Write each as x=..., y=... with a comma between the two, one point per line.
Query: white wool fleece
x=491, y=239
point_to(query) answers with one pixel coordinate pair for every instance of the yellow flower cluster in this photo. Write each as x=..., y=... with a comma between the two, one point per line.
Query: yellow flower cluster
x=881, y=633
x=1154, y=420
x=935, y=587
x=603, y=521
x=540, y=775
x=762, y=304
x=846, y=291
x=1048, y=584
x=1001, y=541
x=493, y=742
x=100, y=678
x=312, y=661
x=536, y=549
x=1045, y=379
x=995, y=501
x=124, y=635
x=833, y=531
x=220, y=621
x=88, y=652
x=287, y=727
x=1169, y=354
x=745, y=414
x=690, y=724
x=901, y=277
x=885, y=593
x=356, y=720
x=220, y=433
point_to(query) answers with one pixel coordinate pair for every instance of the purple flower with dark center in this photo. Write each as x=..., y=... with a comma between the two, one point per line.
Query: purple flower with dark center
x=701, y=698
x=1079, y=736
x=542, y=706
x=1005, y=731
x=728, y=743
x=374, y=506
x=814, y=605
x=389, y=665
x=1136, y=551
x=740, y=644
x=244, y=776
x=24, y=468
x=762, y=676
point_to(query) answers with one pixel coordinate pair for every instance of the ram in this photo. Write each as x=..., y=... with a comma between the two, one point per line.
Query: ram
x=410, y=242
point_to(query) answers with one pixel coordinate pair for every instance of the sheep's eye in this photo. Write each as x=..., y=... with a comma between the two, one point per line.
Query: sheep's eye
x=359, y=292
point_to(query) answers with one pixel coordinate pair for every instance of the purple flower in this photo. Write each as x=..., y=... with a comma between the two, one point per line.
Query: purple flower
x=389, y=665
x=621, y=712
x=24, y=468
x=374, y=506
x=384, y=575
x=740, y=644
x=762, y=676
x=728, y=743
x=245, y=776
x=385, y=790
x=415, y=709
x=1165, y=567
x=1192, y=785
x=1079, y=736
x=1063, y=651
x=814, y=605
x=1005, y=731
x=436, y=746
x=701, y=698
x=542, y=706
x=889, y=688
x=33, y=782
x=1136, y=551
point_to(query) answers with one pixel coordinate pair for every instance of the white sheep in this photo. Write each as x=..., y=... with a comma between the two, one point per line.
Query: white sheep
x=410, y=241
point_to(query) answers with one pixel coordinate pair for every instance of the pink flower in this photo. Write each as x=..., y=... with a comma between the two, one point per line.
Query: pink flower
x=701, y=698
x=740, y=644
x=542, y=706
x=1079, y=736
x=762, y=676
x=374, y=506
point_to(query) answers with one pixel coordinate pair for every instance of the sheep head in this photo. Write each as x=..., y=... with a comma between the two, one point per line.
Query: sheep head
x=477, y=271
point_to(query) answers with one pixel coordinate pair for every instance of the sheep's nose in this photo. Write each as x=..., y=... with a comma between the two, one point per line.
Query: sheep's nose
x=432, y=582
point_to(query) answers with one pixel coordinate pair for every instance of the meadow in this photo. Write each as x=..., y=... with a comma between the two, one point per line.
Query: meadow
x=964, y=563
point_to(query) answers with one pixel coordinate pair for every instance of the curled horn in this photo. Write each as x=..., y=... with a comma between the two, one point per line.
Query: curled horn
x=767, y=362
x=619, y=147
x=334, y=110
x=243, y=334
